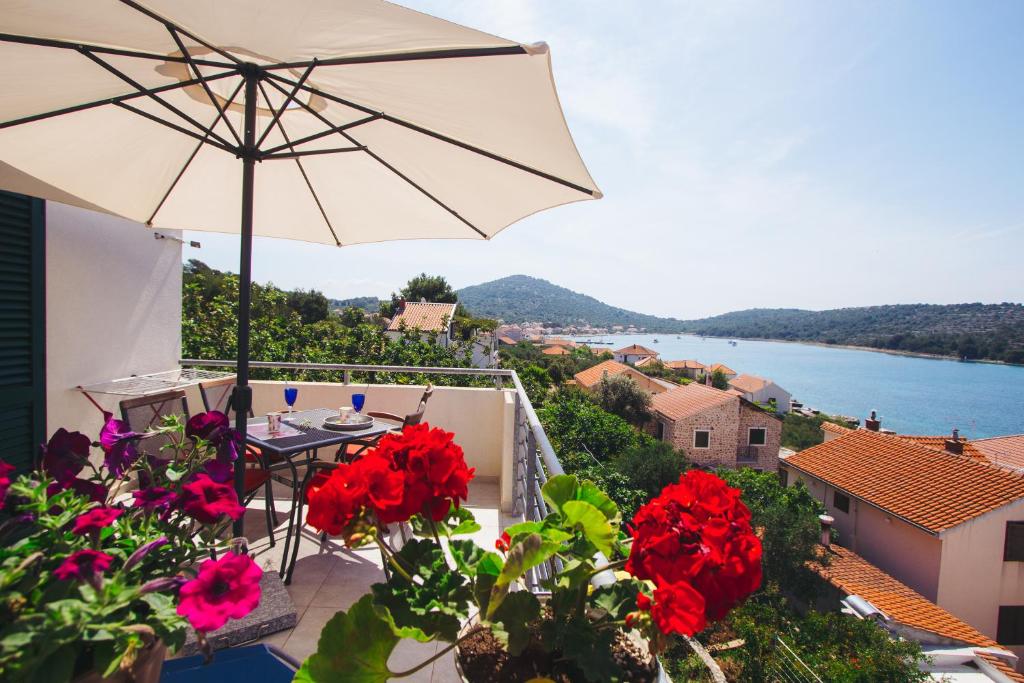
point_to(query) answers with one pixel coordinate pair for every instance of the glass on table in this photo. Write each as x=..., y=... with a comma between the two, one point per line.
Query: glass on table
x=290, y=395
x=358, y=401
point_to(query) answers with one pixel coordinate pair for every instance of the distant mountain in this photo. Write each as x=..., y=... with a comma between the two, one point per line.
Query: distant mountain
x=973, y=331
x=367, y=303
x=520, y=298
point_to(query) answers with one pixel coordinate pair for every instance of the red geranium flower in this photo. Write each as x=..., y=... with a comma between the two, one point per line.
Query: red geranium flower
x=226, y=588
x=5, y=481
x=206, y=501
x=502, y=543
x=83, y=565
x=335, y=500
x=678, y=608
x=643, y=602
x=94, y=520
x=385, y=487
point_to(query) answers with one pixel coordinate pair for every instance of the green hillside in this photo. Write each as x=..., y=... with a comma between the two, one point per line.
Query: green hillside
x=519, y=298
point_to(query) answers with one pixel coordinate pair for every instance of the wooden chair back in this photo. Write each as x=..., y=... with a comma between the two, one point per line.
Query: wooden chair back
x=216, y=395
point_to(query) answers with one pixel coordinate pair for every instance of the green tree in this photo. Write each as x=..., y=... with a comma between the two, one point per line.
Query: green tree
x=651, y=466
x=312, y=306
x=621, y=396
x=352, y=316
x=431, y=288
x=574, y=424
x=719, y=380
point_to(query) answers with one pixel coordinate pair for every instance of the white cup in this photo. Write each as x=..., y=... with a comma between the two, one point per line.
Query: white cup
x=346, y=413
x=273, y=422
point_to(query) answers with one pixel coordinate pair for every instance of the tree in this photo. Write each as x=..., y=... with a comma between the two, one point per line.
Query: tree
x=312, y=306
x=651, y=466
x=719, y=380
x=352, y=316
x=574, y=424
x=431, y=288
x=622, y=396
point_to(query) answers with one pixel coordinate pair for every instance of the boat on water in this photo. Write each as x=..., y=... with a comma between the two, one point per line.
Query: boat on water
x=655, y=341
x=732, y=343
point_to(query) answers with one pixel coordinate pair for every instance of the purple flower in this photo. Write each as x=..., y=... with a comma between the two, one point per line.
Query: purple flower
x=144, y=550
x=95, y=520
x=153, y=498
x=215, y=428
x=5, y=481
x=65, y=455
x=167, y=583
x=219, y=470
x=116, y=440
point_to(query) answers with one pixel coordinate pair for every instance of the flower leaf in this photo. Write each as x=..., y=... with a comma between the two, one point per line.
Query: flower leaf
x=354, y=647
x=559, y=489
x=522, y=556
x=591, y=521
x=512, y=622
x=617, y=599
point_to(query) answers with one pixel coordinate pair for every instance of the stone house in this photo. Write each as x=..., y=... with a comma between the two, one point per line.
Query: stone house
x=633, y=353
x=589, y=379
x=689, y=368
x=434, y=321
x=716, y=428
x=760, y=390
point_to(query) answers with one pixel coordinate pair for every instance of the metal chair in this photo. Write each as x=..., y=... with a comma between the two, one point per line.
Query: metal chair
x=408, y=421
x=216, y=395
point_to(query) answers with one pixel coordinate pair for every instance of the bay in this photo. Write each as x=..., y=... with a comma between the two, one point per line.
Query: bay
x=912, y=395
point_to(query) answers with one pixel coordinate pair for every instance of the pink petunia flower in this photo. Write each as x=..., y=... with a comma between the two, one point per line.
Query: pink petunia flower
x=226, y=588
x=206, y=501
x=5, y=481
x=153, y=498
x=94, y=520
x=83, y=565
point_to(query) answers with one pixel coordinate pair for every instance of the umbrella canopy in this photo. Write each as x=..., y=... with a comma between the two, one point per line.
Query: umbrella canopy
x=368, y=122
x=372, y=122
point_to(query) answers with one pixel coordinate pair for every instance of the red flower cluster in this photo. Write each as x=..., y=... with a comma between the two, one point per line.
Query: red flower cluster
x=694, y=541
x=83, y=565
x=420, y=470
x=205, y=500
x=226, y=588
x=95, y=520
x=5, y=481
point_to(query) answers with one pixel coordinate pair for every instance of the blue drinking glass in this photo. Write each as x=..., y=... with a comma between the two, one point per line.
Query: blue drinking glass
x=290, y=395
x=358, y=400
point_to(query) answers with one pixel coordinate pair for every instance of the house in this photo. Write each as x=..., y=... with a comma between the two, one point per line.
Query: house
x=831, y=430
x=688, y=368
x=729, y=372
x=956, y=650
x=1005, y=451
x=949, y=526
x=715, y=428
x=559, y=341
x=633, y=353
x=589, y=379
x=556, y=351
x=763, y=391
x=505, y=340
x=433, y=320
x=648, y=360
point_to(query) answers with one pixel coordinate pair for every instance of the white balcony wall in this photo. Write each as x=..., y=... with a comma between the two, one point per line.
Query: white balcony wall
x=113, y=309
x=481, y=419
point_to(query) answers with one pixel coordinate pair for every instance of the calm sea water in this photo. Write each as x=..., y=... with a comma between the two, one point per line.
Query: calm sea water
x=912, y=395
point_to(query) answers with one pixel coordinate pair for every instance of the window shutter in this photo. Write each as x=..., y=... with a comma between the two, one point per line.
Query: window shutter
x=22, y=329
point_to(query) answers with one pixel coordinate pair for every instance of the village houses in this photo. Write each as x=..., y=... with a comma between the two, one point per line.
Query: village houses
x=590, y=378
x=633, y=353
x=762, y=391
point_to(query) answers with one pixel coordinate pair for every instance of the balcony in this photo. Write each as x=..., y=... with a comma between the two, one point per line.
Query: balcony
x=747, y=455
x=496, y=427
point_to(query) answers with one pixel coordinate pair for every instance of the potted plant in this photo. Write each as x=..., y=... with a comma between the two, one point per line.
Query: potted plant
x=688, y=557
x=97, y=581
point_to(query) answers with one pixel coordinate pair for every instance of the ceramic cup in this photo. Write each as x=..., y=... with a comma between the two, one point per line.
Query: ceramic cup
x=346, y=413
x=273, y=422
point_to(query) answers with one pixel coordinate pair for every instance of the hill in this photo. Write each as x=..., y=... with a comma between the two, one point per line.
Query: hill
x=973, y=331
x=367, y=303
x=520, y=298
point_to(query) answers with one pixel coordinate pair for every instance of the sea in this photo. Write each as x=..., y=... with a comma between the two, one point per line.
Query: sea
x=912, y=395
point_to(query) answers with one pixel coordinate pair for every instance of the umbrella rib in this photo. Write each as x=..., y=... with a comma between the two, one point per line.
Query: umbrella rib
x=388, y=166
x=65, y=45
x=321, y=134
x=284, y=105
x=174, y=126
x=438, y=136
x=109, y=100
x=188, y=162
x=168, y=23
x=209, y=93
x=311, y=152
x=138, y=86
x=455, y=53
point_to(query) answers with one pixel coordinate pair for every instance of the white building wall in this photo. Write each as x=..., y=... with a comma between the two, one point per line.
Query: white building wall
x=113, y=309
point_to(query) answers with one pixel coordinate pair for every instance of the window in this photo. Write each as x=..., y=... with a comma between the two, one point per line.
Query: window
x=1010, y=630
x=841, y=502
x=1013, y=546
x=757, y=436
x=784, y=477
x=660, y=431
x=702, y=438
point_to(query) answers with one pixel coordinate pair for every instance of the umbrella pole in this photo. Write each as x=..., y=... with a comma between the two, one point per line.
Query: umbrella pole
x=242, y=399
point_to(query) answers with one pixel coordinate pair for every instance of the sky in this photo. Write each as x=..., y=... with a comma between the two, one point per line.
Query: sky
x=796, y=154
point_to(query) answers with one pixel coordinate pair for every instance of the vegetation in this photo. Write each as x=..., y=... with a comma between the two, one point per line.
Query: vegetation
x=719, y=380
x=800, y=432
x=620, y=395
x=519, y=298
x=370, y=304
x=971, y=331
x=432, y=288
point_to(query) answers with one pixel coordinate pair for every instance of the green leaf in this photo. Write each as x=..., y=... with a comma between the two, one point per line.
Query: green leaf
x=590, y=493
x=523, y=556
x=559, y=489
x=617, y=599
x=354, y=647
x=512, y=622
x=592, y=522
x=458, y=522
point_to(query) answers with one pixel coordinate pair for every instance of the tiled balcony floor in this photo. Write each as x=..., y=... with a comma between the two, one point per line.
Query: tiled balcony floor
x=332, y=580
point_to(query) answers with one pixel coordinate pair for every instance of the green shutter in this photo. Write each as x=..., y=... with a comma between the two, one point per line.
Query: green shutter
x=22, y=329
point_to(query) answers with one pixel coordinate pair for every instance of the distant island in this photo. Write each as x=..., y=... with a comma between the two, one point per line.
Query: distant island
x=973, y=331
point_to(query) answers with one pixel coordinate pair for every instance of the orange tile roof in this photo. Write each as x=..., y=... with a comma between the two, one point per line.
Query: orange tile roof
x=636, y=350
x=427, y=317
x=748, y=383
x=930, y=488
x=689, y=399
x=556, y=351
x=684, y=365
x=504, y=339
x=724, y=368
x=1005, y=451
x=834, y=428
x=592, y=375
x=646, y=361
x=852, y=574
x=558, y=341
x=1001, y=666
x=939, y=443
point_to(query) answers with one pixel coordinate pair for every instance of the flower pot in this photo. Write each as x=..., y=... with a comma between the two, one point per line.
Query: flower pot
x=146, y=668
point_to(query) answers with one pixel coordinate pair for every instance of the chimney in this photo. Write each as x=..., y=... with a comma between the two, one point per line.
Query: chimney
x=826, y=529
x=873, y=423
x=953, y=444
x=401, y=305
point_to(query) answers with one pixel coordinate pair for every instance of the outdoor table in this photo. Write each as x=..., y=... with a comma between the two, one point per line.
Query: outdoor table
x=304, y=439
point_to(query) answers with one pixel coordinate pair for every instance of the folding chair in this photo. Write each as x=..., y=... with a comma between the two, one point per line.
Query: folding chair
x=408, y=421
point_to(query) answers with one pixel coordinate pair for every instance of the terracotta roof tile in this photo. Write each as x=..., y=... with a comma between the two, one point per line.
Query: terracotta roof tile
x=427, y=317
x=852, y=574
x=939, y=443
x=834, y=428
x=1005, y=451
x=748, y=383
x=1001, y=666
x=556, y=351
x=592, y=375
x=684, y=365
x=648, y=360
x=724, y=368
x=504, y=339
x=689, y=399
x=636, y=350
x=930, y=488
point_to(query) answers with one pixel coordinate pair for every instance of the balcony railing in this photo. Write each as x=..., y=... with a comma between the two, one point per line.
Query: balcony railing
x=533, y=458
x=747, y=454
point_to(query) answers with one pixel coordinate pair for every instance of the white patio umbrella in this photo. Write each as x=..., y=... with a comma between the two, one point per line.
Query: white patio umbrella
x=333, y=121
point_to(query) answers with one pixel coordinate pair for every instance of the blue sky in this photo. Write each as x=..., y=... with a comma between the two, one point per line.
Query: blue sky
x=752, y=154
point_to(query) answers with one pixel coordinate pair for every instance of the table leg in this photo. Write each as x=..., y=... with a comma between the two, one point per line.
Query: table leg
x=291, y=516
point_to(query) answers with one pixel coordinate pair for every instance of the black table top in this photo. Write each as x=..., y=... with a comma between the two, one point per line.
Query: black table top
x=313, y=436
